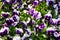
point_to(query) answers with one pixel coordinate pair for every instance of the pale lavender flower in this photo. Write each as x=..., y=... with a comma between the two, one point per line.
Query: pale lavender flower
x=56, y=34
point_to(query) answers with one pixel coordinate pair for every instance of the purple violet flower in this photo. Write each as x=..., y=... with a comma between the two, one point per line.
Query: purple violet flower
x=48, y=16
x=35, y=3
x=31, y=12
x=50, y=31
x=15, y=18
x=5, y=14
x=42, y=25
x=4, y=31
x=9, y=21
x=50, y=2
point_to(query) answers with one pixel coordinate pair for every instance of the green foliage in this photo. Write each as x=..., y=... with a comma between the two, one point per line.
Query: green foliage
x=42, y=7
x=12, y=31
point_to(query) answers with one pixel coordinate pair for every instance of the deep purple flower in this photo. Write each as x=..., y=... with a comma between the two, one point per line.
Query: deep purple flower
x=48, y=16
x=9, y=21
x=50, y=2
x=50, y=31
x=15, y=18
x=4, y=31
x=5, y=14
x=15, y=12
x=35, y=2
x=1, y=34
x=31, y=12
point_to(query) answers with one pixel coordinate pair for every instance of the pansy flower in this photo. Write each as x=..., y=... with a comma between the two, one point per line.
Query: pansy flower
x=50, y=31
x=48, y=16
x=19, y=31
x=5, y=14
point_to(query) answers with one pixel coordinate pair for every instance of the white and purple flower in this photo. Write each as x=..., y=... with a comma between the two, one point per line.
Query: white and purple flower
x=15, y=12
x=19, y=31
x=48, y=16
x=5, y=14
x=50, y=31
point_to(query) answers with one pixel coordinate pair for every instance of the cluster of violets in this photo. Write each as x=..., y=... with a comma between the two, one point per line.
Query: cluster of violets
x=30, y=10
